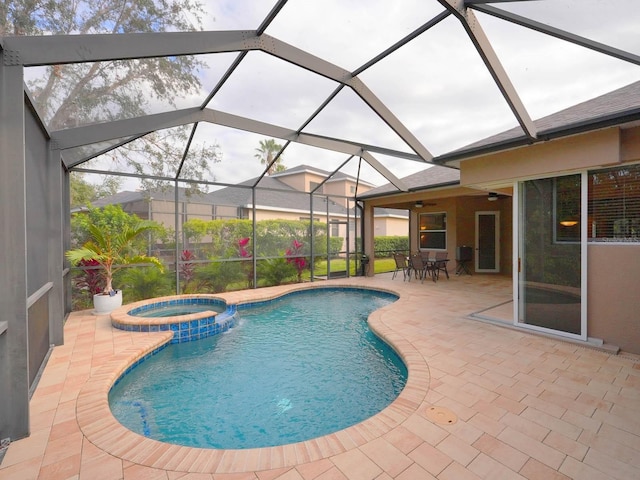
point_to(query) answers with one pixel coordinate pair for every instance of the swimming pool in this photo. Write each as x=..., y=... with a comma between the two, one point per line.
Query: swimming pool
x=297, y=368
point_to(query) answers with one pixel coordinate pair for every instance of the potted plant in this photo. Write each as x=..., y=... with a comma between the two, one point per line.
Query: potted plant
x=111, y=251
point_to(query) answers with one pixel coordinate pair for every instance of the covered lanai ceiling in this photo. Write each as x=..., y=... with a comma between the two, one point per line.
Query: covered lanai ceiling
x=393, y=83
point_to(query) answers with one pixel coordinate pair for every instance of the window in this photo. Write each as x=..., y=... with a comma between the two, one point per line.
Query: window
x=433, y=231
x=614, y=204
x=352, y=189
x=566, y=211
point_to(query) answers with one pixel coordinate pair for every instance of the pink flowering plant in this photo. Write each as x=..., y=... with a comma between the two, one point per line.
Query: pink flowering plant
x=187, y=267
x=244, y=253
x=294, y=257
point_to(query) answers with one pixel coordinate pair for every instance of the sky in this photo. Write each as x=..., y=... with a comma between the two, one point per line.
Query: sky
x=436, y=85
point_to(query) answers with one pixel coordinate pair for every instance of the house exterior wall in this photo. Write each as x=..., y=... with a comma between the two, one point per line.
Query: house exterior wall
x=391, y=227
x=342, y=189
x=612, y=307
x=544, y=159
x=301, y=181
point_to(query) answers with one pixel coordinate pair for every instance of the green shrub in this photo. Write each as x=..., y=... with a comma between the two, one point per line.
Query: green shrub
x=274, y=271
x=214, y=277
x=140, y=283
x=386, y=245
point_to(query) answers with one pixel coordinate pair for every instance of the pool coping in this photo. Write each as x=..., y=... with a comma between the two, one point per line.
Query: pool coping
x=185, y=328
x=103, y=430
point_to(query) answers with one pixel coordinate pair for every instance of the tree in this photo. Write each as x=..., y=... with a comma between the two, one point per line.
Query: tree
x=266, y=153
x=83, y=193
x=112, y=249
x=77, y=94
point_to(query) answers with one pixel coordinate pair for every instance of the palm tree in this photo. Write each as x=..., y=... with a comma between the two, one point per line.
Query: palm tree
x=267, y=152
x=111, y=249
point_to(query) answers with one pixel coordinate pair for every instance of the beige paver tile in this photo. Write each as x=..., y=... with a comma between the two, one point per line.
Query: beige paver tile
x=425, y=429
x=501, y=452
x=291, y=474
x=486, y=467
x=568, y=403
x=542, y=418
x=455, y=471
x=332, y=474
x=312, y=470
x=386, y=456
x=403, y=439
x=67, y=467
x=355, y=465
x=526, y=426
x=572, y=468
x=532, y=447
x=566, y=445
x=610, y=418
x=486, y=424
x=458, y=450
x=535, y=470
x=415, y=472
x=510, y=405
x=189, y=476
x=580, y=421
x=619, y=436
x=430, y=458
x=140, y=472
x=25, y=470
x=26, y=449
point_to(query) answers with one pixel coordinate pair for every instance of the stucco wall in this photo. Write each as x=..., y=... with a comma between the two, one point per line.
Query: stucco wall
x=391, y=226
x=613, y=307
x=544, y=159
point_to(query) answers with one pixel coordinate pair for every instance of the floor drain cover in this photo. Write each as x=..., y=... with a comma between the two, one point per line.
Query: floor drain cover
x=441, y=415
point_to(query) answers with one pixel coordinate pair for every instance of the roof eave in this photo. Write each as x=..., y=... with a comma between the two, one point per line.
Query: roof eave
x=606, y=121
x=411, y=190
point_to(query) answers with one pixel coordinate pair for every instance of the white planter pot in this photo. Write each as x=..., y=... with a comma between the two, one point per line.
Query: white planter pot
x=105, y=304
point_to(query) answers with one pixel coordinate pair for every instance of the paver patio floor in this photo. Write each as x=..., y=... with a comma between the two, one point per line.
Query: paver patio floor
x=520, y=405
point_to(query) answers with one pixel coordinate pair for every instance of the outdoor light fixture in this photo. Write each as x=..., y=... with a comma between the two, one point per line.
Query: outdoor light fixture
x=493, y=196
x=418, y=204
x=569, y=223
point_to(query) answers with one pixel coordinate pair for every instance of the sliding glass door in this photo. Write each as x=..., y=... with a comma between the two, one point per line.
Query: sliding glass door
x=549, y=282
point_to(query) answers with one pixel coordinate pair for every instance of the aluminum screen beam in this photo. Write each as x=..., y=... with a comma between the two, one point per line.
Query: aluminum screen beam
x=61, y=49
x=558, y=33
x=382, y=170
x=100, y=132
x=492, y=62
x=87, y=48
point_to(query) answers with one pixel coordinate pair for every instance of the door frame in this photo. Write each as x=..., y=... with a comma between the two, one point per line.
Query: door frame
x=496, y=214
x=518, y=263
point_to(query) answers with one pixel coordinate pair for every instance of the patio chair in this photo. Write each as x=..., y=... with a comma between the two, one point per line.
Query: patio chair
x=418, y=266
x=427, y=258
x=440, y=264
x=401, y=265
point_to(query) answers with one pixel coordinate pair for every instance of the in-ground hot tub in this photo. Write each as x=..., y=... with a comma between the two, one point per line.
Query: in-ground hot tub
x=189, y=317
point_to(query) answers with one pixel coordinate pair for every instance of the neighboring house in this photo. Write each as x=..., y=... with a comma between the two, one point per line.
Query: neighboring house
x=284, y=195
x=566, y=220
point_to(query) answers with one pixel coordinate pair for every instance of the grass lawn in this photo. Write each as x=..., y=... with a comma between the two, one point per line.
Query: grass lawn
x=382, y=265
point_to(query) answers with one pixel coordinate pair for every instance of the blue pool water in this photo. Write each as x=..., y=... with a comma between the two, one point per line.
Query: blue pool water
x=298, y=368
